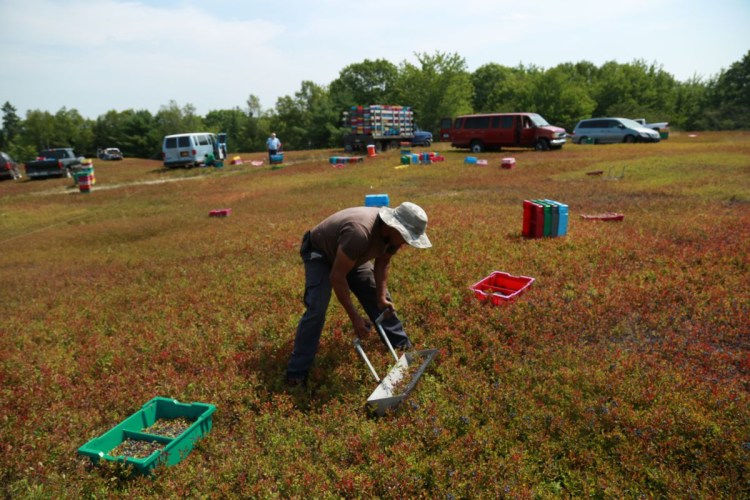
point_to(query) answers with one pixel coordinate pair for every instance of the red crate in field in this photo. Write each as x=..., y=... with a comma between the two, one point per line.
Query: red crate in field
x=220, y=212
x=508, y=163
x=501, y=287
x=533, y=219
x=607, y=216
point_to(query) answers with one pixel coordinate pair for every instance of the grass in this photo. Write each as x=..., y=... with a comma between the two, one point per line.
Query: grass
x=622, y=372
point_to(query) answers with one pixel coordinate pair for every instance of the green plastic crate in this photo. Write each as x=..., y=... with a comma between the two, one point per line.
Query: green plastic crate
x=174, y=449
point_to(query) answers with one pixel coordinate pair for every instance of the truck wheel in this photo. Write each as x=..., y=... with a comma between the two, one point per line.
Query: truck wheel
x=427, y=143
x=477, y=147
x=583, y=140
x=393, y=145
x=541, y=145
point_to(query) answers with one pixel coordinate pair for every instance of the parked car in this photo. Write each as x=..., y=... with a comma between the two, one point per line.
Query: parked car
x=611, y=130
x=57, y=162
x=493, y=131
x=191, y=149
x=8, y=167
x=110, y=154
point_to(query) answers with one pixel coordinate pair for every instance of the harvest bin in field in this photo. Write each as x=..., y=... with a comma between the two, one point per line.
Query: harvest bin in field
x=501, y=287
x=138, y=429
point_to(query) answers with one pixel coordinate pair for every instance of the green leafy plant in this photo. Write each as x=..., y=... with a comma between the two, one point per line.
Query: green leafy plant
x=623, y=371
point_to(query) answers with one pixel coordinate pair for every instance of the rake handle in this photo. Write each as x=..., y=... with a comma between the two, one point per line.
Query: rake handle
x=358, y=347
x=378, y=324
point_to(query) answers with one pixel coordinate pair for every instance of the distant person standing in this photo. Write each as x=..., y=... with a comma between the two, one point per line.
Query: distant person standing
x=273, y=144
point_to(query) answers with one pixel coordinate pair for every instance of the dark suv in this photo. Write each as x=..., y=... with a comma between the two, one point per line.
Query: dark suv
x=8, y=167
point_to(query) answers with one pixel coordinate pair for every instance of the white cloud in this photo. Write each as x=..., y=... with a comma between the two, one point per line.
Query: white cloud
x=115, y=54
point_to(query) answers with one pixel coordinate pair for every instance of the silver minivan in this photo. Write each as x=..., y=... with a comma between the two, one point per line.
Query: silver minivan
x=610, y=130
x=190, y=150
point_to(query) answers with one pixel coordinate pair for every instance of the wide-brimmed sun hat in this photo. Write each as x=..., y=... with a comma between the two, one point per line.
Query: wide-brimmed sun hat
x=410, y=220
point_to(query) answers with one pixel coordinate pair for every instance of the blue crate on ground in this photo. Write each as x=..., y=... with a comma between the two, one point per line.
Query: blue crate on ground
x=377, y=200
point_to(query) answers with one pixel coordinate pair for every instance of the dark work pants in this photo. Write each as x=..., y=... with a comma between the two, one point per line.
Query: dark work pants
x=318, y=292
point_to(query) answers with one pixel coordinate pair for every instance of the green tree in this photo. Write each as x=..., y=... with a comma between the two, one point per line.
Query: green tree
x=72, y=129
x=257, y=127
x=689, y=105
x=140, y=138
x=364, y=83
x=501, y=89
x=232, y=122
x=39, y=130
x=171, y=119
x=11, y=125
x=558, y=99
x=109, y=130
x=308, y=120
x=634, y=90
x=729, y=97
x=439, y=87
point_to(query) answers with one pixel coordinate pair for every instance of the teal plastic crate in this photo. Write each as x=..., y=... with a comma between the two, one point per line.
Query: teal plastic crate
x=171, y=450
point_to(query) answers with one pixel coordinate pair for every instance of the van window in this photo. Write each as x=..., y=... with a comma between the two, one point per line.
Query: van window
x=507, y=122
x=184, y=141
x=457, y=124
x=495, y=121
x=203, y=140
x=170, y=143
x=594, y=124
x=478, y=122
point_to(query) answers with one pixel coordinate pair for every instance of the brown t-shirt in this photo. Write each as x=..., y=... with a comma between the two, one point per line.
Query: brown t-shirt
x=355, y=230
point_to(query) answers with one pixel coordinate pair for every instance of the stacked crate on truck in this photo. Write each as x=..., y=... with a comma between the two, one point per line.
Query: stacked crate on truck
x=381, y=125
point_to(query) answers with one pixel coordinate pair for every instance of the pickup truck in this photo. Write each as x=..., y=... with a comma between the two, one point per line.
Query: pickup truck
x=59, y=162
x=658, y=126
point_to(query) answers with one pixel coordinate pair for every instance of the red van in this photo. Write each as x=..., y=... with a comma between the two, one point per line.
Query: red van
x=493, y=131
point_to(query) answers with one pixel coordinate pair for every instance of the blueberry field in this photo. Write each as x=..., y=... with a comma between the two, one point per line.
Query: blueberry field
x=623, y=371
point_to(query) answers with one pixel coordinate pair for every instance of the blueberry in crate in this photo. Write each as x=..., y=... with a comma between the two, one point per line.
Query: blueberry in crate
x=162, y=432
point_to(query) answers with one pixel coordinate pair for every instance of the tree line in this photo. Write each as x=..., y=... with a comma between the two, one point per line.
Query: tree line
x=438, y=85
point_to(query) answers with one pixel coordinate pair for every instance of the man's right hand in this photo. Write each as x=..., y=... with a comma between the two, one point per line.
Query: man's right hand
x=361, y=327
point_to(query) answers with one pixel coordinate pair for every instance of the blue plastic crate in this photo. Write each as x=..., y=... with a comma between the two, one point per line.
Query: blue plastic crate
x=377, y=200
x=277, y=158
x=562, y=218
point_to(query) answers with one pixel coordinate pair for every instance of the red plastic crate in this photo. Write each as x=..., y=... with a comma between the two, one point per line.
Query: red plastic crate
x=533, y=219
x=608, y=216
x=220, y=212
x=501, y=287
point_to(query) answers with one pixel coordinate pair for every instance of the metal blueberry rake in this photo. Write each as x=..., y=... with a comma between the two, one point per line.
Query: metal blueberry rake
x=402, y=377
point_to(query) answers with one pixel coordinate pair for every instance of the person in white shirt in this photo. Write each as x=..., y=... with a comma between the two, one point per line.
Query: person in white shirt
x=273, y=145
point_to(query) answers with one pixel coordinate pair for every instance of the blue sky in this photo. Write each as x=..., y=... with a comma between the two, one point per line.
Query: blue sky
x=101, y=55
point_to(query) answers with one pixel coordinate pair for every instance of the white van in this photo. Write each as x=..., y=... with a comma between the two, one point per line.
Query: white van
x=604, y=130
x=190, y=150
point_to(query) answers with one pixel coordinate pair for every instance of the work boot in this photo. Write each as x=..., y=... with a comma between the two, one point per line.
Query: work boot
x=293, y=382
